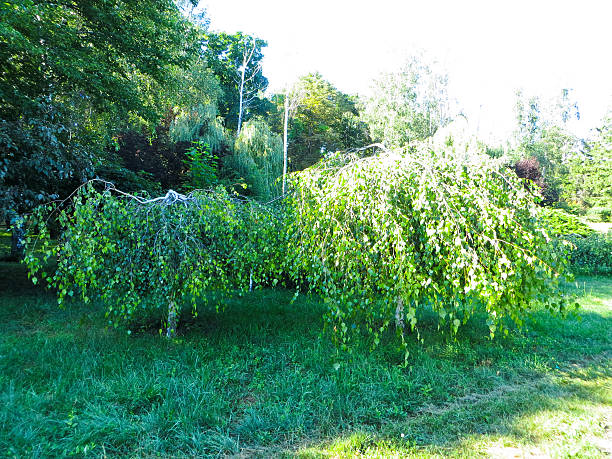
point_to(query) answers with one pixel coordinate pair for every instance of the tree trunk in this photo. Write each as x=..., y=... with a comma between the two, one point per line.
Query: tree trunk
x=172, y=320
x=17, y=239
x=285, y=142
x=399, y=314
x=240, y=107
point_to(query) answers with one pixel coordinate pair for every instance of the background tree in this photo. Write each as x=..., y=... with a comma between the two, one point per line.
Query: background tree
x=192, y=115
x=256, y=161
x=542, y=139
x=408, y=105
x=325, y=120
x=236, y=61
x=588, y=185
x=291, y=102
x=248, y=91
x=70, y=74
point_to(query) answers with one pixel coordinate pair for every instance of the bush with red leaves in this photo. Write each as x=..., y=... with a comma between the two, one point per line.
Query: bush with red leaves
x=530, y=169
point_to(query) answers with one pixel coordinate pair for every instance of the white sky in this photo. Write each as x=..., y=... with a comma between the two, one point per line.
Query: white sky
x=489, y=48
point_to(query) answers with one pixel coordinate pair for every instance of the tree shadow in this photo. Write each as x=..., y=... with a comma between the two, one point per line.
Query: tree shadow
x=510, y=415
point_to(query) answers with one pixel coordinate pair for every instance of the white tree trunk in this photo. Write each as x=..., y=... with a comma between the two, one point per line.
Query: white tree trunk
x=285, y=142
x=240, y=105
x=399, y=314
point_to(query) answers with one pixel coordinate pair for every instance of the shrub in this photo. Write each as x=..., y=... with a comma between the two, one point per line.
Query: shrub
x=531, y=169
x=202, y=166
x=599, y=212
x=560, y=223
x=592, y=251
x=592, y=254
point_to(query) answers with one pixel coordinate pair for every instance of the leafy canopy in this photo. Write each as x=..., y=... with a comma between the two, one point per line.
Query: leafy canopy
x=379, y=238
x=137, y=254
x=383, y=236
x=70, y=74
x=225, y=54
x=113, y=53
x=408, y=105
x=325, y=120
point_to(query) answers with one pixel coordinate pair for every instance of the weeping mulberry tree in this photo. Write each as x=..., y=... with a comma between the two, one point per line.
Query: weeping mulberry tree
x=382, y=236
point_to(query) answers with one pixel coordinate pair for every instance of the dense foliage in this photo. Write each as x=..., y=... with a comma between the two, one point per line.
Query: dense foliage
x=257, y=160
x=382, y=237
x=379, y=238
x=560, y=223
x=587, y=188
x=591, y=254
x=70, y=72
x=137, y=254
x=324, y=120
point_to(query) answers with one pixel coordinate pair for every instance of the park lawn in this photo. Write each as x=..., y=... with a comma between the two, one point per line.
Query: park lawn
x=259, y=379
x=5, y=243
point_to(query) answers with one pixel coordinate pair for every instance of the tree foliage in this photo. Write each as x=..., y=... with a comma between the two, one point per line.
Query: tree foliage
x=380, y=238
x=384, y=236
x=136, y=254
x=588, y=183
x=195, y=113
x=324, y=120
x=408, y=105
x=543, y=142
x=257, y=159
x=114, y=53
x=592, y=254
x=70, y=74
x=39, y=159
x=225, y=55
x=144, y=94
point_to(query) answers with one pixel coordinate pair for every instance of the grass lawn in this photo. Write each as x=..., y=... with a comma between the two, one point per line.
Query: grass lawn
x=258, y=380
x=5, y=243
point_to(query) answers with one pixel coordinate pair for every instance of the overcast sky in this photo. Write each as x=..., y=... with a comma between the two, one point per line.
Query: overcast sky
x=489, y=48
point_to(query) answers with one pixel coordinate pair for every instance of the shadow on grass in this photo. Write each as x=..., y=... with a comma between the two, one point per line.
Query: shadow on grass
x=545, y=415
x=259, y=379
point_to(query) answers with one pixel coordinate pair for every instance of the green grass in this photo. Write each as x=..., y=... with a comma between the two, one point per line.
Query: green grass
x=259, y=380
x=5, y=243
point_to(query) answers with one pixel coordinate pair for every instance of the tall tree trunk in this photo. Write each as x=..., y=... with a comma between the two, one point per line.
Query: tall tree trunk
x=285, y=142
x=240, y=107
